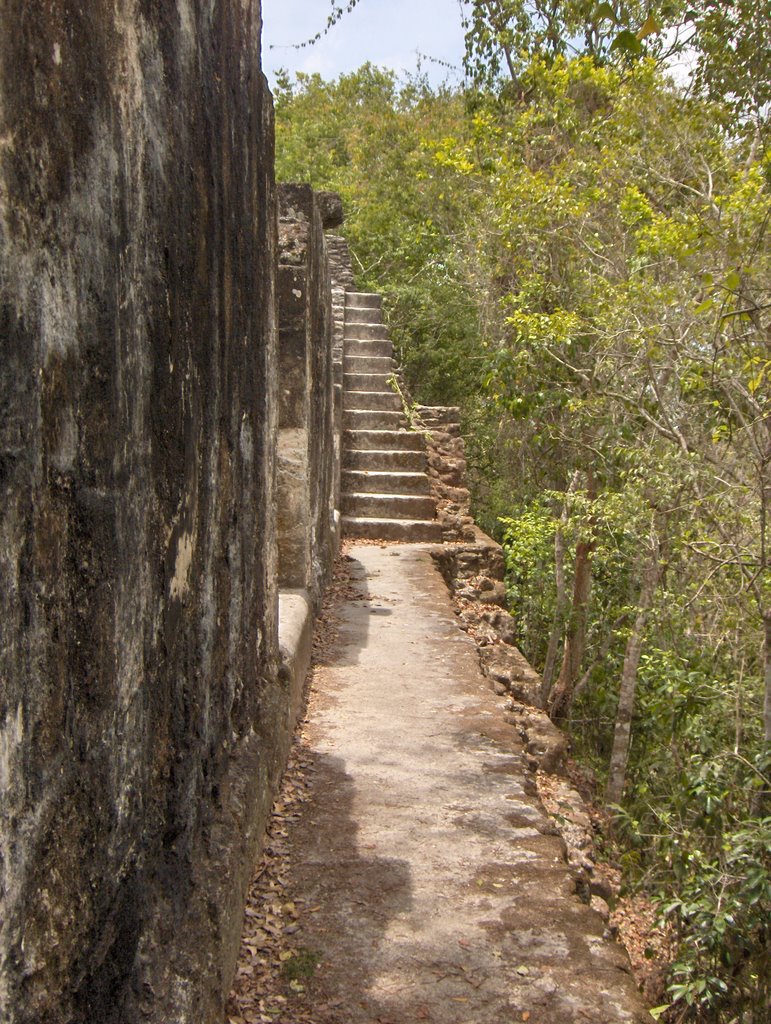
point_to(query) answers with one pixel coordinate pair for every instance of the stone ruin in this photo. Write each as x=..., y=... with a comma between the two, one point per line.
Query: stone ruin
x=172, y=416
x=169, y=481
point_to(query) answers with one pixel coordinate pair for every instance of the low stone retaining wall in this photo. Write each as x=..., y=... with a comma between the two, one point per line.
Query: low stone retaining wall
x=447, y=469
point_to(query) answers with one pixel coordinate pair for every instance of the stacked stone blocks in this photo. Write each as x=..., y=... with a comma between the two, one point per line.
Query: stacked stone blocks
x=386, y=494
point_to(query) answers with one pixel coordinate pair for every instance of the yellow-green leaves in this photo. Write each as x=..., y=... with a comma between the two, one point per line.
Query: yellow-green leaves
x=626, y=42
x=634, y=207
x=557, y=327
x=758, y=369
x=732, y=281
x=605, y=12
x=649, y=27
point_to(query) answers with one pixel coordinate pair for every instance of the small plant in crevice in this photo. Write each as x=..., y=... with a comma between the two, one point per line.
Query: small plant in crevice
x=409, y=408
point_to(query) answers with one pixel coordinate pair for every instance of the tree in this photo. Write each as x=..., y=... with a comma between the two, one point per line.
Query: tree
x=582, y=254
x=561, y=694
x=390, y=149
x=732, y=39
x=628, y=684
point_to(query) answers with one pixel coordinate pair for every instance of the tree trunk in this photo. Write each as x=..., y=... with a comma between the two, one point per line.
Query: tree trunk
x=561, y=605
x=767, y=675
x=499, y=24
x=739, y=710
x=622, y=734
x=762, y=798
x=575, y=636
x=560, y=608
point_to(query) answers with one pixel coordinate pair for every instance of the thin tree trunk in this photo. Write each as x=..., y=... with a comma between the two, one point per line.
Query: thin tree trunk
x=560, y=609
x=762, y=798
x=575, y=636
x=739, y=711
x=622, y=734
x=499, y=22
x=767, y=675
x=561, y=604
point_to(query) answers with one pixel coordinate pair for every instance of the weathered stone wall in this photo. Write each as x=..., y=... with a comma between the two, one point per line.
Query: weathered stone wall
x=473, y=567
x=446, y=454
x=138, y=684
x=341, y=281
x=306, y=489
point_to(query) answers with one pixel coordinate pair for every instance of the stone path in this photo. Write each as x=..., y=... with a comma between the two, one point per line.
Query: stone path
x=434, y=885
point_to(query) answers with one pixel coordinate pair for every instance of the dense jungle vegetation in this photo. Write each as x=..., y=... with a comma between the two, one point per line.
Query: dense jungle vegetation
x=575, y=251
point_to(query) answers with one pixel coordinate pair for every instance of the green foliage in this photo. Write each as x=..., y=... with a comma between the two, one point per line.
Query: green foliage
x=528, y=545
x=301, y=965
x=733, y=41
x=503, y=36
x=577, y=255
x=381, y=144
x=719, y=855
x=631, y=338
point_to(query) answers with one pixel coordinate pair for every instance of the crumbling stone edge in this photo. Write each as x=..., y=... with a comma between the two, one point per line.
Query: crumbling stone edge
x=474, y=569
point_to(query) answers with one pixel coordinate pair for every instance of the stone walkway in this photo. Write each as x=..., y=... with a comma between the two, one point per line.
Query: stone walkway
x=434, y=884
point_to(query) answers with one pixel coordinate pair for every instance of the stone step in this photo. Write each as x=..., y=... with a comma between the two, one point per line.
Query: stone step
x=383, y=440
x=407, y=531
x=445, y=414
x=363, y=316
x=369, y=347
x=368, y=300
x=385, y=488
x=372, y=400
x=369, y=364
x=367, y=481
x=379, y=419
x=388, y=506
x=372, y=459
x=367, y=381
x=365, y=332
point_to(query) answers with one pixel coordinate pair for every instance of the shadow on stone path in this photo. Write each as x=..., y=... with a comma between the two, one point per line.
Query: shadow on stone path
x=435, y=886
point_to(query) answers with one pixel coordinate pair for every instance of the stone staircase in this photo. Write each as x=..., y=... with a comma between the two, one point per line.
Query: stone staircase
x=386, y=494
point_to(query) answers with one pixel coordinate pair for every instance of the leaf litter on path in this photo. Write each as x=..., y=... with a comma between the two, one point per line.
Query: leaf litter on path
x=273, y=982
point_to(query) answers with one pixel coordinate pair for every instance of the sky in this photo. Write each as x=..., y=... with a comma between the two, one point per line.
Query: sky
x=389, y=33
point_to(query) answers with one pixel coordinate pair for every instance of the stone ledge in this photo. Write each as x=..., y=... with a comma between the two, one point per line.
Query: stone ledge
x=295, y=639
